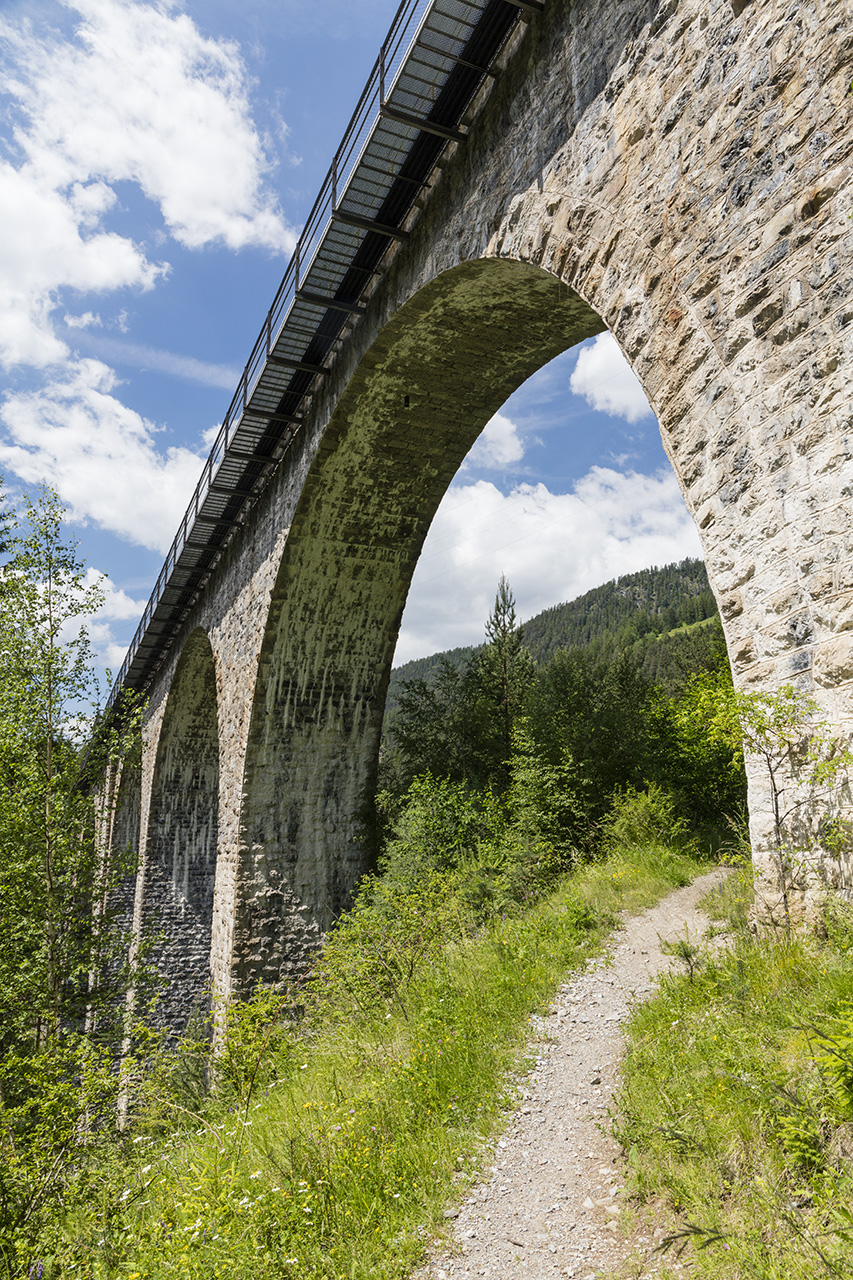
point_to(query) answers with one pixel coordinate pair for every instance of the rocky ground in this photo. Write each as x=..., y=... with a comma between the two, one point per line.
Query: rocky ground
x=553, y=1201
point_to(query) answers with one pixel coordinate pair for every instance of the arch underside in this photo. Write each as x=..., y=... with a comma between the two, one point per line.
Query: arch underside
x=180, y=854
x=439, y=370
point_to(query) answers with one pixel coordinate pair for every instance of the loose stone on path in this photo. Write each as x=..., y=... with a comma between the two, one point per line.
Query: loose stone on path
x=552, y=1205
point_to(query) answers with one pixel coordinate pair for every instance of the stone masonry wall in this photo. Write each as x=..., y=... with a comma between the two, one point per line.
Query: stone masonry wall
x=675, y=171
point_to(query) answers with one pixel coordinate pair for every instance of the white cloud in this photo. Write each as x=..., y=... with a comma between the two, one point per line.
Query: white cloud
x=604, y=378
x=42, y=250
x=497, y=446
x=137, y=95
x=88, y=320
x=139, y=356
x=117, y=607
x=99, y=455
x=552, y=547
x=142, y=96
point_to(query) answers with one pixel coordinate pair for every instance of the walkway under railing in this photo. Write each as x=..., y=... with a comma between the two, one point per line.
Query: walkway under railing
x=432, y=62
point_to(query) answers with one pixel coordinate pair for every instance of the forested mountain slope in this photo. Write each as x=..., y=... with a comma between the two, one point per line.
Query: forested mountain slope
x=651, y=602
x=656, y=613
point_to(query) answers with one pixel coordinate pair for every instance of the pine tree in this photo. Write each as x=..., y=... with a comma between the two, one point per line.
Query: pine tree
x=505, y=674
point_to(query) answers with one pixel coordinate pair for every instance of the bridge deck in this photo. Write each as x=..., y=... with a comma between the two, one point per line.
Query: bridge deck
x=435, y=57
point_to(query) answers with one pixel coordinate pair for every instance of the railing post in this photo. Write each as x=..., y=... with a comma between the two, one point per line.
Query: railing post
x=335, y=183
x=382, y=76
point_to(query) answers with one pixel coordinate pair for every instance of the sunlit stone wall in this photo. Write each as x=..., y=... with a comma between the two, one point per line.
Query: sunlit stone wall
x=677, y=171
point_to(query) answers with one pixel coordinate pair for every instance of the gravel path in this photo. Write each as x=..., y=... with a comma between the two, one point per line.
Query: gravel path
x=551, y=1205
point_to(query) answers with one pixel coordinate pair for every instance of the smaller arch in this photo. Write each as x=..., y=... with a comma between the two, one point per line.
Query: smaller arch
x=182, y=837
x=123, y=814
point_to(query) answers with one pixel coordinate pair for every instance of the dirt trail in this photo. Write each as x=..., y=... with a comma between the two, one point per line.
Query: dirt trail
x=551, y=1205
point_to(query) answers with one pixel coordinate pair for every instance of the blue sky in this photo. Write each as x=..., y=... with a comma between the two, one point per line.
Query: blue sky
x=156, y=163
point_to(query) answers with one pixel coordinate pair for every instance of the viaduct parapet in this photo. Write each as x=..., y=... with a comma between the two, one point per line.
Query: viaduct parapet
x=677, y=171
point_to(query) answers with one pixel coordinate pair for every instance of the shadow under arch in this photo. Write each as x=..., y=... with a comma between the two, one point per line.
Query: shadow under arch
x=437, y=372
x=181, y=844
x=122, y=843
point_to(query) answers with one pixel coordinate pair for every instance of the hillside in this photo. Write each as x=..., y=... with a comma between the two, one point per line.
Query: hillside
x=651, y=602
x=667, y=616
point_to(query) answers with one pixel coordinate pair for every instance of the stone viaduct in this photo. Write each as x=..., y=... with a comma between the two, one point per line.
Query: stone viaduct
x=679, y=171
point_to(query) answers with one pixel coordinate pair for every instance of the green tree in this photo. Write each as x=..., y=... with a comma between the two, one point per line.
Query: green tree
x=503, y=675
x=606, y=714
x=434, y=726
x=46, y=845
x=458, y=724
x=53, y=754
x=59, y=1026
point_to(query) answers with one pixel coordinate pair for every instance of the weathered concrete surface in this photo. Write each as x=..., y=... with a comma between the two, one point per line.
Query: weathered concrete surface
x=676, y=172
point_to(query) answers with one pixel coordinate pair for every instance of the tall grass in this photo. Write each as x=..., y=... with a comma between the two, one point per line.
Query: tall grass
x=334, y=1143
x=737, y=1103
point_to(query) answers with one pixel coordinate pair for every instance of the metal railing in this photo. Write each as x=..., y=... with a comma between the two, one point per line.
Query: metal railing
x=423, y=50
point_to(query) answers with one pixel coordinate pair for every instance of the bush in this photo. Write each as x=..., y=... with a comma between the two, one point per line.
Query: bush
x=643, y=818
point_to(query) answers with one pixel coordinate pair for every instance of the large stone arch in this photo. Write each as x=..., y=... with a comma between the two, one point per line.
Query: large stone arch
x=672, y=169
x=556, y=269
x=417, y=403
x=179, y=861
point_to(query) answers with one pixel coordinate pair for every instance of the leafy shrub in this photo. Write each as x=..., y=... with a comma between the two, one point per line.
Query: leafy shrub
x=439, y=826
x=643, y=818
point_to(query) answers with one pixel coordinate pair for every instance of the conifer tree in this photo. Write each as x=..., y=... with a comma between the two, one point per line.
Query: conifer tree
x=505, y=673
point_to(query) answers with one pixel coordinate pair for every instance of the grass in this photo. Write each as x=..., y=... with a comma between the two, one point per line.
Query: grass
x=338, y=1142
x=737, y=1103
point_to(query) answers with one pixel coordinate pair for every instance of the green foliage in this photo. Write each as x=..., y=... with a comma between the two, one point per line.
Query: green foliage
x=608, y=718
x=63, y=976
x=438, y=828
x=435, y=729
x=54, y=888
x=801, y=758
x=667, y=618
x=544, y=800
x=593, y=704
x=459, y=724
x=504, y=674
x=343, y=1107
x=737, y=1103
x=493, y=851
x=644, y=818
x=395, y=930
x=636, y=606
x=354, y=1106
